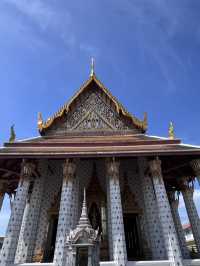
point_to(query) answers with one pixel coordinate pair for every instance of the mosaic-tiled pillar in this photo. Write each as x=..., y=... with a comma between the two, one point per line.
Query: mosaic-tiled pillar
x=165, y=215
x=116, y=214
x=75, y=202
x=174, y=202
x=109, y=224
x=158, y=250
x=195, y=164
x=10, y=242
x=65, y=220
x=193, y=216
x=51, y=195
x=30, y=220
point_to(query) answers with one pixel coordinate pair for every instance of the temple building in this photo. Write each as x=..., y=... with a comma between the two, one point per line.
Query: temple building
x=128, y=214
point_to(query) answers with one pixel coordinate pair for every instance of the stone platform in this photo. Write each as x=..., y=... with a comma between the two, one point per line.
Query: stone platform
x=195, y=262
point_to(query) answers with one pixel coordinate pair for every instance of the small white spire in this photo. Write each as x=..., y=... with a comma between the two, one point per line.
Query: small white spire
x=84, y=221
x=92, y=67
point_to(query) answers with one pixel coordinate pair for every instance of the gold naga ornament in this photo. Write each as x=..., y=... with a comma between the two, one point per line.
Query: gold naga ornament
x=12, y=134
x=38, y=257
x=171, y=131
x=40, y=121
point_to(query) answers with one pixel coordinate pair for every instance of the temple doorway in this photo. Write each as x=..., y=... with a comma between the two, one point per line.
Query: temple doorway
x=51, y=239
x=97, y=206
x=131, y=228
x=82, y=256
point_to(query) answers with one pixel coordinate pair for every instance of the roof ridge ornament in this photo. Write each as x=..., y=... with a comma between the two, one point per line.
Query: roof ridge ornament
x=12, y=134
x=40, y=121
x=92, y=67
x=171, y=130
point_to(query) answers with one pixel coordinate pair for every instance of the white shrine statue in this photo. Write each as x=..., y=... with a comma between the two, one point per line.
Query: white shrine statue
x=82, y=243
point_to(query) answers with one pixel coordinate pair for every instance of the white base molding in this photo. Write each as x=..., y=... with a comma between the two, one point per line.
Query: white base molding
x=195, y=262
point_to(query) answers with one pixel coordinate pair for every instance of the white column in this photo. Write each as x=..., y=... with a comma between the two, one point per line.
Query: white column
x=187, y=193
x=116, y=214
x=10, y=242
x=195, y=164
x=158, y=250
x=65, y=220
x=30, y=220
x=174, y=202
x=165, y=215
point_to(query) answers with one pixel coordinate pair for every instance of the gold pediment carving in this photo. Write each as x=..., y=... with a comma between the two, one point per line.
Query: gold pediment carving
x=92, y=85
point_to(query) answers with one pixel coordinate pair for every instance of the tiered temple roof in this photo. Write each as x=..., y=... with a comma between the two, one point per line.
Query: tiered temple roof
x=94, y=124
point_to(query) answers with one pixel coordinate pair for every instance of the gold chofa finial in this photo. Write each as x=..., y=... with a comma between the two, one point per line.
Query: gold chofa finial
x=40, y=120
x=171, y=131
x=92, y=67
x=12, y=134
x=145, y=120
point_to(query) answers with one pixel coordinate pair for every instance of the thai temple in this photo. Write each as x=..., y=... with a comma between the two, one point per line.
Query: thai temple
x=95, y=189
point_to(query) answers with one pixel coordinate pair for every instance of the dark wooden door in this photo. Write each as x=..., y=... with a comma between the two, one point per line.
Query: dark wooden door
x=132, y=236
x=51, y=239
x=82, y=256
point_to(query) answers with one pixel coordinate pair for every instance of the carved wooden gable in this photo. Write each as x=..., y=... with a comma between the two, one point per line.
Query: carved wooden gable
x=93, y=109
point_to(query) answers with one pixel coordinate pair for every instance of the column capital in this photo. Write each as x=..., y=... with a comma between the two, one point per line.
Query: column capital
x=27, y=168
x=195, y=164
x=187, y=186
x=69, y=168
x=155, y=167
x=113, y=167
x=173, y=198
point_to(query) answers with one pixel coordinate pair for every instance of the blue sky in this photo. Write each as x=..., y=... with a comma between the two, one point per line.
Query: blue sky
x=146, y=53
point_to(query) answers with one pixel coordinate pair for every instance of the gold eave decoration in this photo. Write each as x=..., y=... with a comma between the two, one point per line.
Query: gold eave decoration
x=142, y=124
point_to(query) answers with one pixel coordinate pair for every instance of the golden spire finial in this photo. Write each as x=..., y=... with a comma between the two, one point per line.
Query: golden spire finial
x=92, y=67
x=40, y=120
x=12, y=134
x=171, y=131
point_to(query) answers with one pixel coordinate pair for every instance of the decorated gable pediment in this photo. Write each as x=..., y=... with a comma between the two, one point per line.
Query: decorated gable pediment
x=92, y=109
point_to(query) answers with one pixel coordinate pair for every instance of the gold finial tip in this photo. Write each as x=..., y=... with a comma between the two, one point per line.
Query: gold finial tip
x=92, y=67
x=171, y=130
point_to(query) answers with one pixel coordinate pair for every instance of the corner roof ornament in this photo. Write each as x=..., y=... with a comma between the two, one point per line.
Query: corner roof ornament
x=171, y=131
x=92, y=67
x=12, y=134
x=40, y=121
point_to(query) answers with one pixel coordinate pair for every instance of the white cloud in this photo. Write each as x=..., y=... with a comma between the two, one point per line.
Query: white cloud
x=43, y=14
x=89, y=49
x=35, y=17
